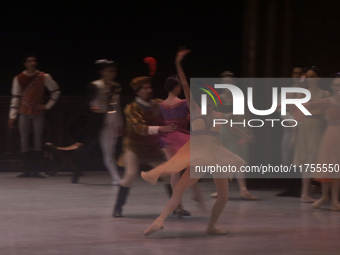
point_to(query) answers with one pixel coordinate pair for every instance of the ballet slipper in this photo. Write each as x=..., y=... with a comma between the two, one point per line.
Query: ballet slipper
x=149, y=178
x=212, y=230
x=247, y=196
x=320, y=202
x=213, y=195
x=307, y=199
x=155, y=226
x=335, y=207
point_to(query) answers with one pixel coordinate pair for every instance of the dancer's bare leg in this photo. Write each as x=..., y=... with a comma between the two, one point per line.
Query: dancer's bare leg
x=325, y=187
x=305, y=195
x=182, y=185
x=157, y=163
x=174, y=177
x=335, y=195
x=222, y=199
x=197, y=193
x=244, y=193
x=198, y=196
x=179, y=161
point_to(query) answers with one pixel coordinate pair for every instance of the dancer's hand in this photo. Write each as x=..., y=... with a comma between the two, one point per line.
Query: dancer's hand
x=181, y=53
x=11, y=123
x=41, y=107
x=168, y=129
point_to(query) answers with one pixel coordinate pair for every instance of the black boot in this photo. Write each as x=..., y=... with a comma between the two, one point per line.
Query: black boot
x=179, y=211
x=36, y=157
x=121, y=199
x=27, y=164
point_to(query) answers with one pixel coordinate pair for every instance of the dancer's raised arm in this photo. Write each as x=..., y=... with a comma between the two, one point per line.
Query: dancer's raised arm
x=182, y=52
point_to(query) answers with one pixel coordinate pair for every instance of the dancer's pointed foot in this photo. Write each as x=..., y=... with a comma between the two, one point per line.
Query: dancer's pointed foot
x=212, y=230
x=246, y=195
x=214, y=195
x=307, y=199
x=320, y=202
x=155, y=226
x=335, y=207
x=149, y=178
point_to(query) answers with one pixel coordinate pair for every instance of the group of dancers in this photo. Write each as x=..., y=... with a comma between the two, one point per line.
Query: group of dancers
x=156, y=132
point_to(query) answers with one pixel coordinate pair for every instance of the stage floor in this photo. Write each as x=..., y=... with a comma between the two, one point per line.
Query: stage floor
x=53, y=216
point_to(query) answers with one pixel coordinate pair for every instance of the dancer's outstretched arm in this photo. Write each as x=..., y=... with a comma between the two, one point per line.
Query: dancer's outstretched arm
x=182, y=52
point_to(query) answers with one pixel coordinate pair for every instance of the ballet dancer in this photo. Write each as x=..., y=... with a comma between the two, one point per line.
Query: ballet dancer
x=207, y=150
x=309, y=133
x=106, y=114
x=27, y=101
x=175, y=110
x=329, y=153
x=233, y=142
x=141, y=143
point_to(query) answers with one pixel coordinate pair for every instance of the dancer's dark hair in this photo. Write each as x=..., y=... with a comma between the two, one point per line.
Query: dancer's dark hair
x=315, y=70
x=29, y=55
x=171, y=83
x=102, y=64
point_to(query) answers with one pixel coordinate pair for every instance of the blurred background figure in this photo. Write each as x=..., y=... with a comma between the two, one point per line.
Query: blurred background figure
x=143, y=131
x=310, y=132
x=174, y=110
x=27, y=100
x=231, y=141
x=329, y=153
x=106, y=115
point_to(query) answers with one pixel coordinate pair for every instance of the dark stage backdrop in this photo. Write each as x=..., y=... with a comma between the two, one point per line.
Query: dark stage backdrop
x=254, y=38
x=68, y=36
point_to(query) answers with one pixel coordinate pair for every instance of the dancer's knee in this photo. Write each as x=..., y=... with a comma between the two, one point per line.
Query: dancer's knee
x=222, y=198
x=179, y=190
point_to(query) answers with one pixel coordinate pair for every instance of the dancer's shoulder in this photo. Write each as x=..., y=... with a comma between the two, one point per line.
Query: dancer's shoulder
x=130, y=108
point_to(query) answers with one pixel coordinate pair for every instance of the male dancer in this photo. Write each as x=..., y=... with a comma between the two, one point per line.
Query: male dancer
x=27, y=99
x=143, y=129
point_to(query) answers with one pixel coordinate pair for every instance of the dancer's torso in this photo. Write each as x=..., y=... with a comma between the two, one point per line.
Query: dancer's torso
x=177, y=114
